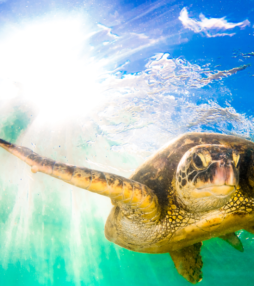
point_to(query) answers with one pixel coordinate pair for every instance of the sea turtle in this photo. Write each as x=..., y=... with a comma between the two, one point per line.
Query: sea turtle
x=197, y=187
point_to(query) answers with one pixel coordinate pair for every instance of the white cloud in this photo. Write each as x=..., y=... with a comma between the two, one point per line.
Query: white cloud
x=211, y=27
x=108, y=30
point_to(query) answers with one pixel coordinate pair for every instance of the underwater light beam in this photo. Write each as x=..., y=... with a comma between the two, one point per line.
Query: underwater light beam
x=49, y=61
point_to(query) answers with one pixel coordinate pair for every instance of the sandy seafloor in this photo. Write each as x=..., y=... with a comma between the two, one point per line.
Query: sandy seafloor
x=104, y=84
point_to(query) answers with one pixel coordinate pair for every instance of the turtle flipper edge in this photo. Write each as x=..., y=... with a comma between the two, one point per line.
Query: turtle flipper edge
x=250, y=229
x=188, y=262
x=233, y=240
x=122, y=191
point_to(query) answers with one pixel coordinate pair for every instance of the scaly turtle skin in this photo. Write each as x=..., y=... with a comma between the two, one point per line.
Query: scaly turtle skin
x=198, y=187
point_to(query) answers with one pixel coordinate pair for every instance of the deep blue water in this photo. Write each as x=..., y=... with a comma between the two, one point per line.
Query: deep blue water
x=104, y=84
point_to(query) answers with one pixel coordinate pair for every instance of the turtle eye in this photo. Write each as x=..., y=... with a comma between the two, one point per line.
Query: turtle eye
x=236, y=158
x=201, y=161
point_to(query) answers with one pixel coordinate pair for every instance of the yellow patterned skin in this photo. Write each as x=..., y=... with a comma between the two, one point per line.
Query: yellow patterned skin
x=178, y=227
x=148, y=215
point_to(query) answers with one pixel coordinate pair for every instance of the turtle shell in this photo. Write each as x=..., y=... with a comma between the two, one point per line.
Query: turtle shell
x=159, y=171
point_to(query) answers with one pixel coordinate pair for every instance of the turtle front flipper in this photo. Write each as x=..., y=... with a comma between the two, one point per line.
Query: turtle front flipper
x=141, y=200
x=188, y=262
x=233, y=240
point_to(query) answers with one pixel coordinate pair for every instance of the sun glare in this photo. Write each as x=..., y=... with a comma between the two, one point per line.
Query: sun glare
x=50, y=62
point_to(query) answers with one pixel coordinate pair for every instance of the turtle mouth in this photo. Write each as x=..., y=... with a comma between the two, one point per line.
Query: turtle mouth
x=221, y=191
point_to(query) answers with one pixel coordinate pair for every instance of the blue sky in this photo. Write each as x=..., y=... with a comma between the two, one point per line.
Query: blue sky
x=121, y=37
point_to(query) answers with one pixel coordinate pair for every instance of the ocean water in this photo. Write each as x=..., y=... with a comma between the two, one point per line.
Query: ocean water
x=104, y=84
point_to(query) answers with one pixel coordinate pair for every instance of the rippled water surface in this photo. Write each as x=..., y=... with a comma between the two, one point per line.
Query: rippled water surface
x=105, y=84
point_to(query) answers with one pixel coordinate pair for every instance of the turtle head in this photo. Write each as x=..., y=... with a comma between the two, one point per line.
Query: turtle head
x=207, y=176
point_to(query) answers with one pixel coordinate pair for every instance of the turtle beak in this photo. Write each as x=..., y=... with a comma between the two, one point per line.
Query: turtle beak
x=221, y=190
x=225, y=174
x=223, y=181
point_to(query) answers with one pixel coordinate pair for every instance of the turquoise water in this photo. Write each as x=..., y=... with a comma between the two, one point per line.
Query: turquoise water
x=104, y=85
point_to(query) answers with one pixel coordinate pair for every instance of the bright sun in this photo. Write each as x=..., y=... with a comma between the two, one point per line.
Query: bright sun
x=50, y=62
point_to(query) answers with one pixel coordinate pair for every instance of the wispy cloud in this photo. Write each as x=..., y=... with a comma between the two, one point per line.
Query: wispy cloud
x=211, y=27
x=222, y=74
x=108, y=30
